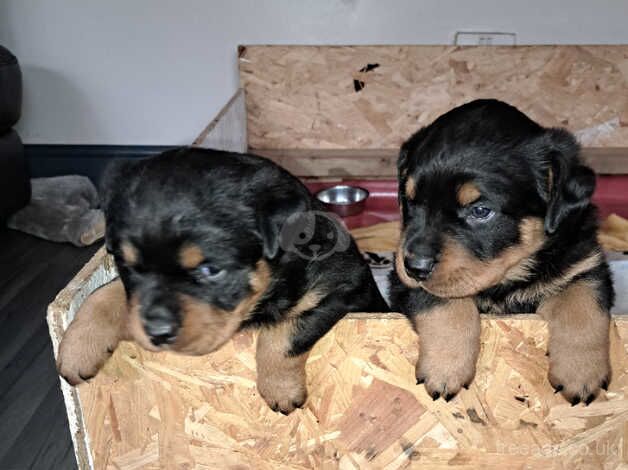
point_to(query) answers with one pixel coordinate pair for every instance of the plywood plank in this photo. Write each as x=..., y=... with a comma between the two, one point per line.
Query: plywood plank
x=382, y=163
x=170, y=411
x=303, y=97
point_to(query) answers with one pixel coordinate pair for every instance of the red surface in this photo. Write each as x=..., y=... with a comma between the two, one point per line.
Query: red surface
x=611, y=196
x=381, y=205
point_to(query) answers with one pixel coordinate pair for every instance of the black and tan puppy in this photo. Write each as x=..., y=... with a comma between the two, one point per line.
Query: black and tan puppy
x=497, y=218
x=207, y=243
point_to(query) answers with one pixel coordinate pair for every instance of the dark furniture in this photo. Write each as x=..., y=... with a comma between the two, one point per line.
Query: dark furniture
x=14, y=176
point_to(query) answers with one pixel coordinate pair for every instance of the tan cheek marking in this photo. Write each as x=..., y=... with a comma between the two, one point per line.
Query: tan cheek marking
x=410, y=188
x=190, y=256
x=129, y=253
x=134, y=326
x=205, y=328
x=400, y=268
x=459, y=273
x=468, y=193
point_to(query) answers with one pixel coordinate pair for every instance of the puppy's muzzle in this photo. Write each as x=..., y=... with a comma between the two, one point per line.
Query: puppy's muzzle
x=419, y=267
x=161, y=326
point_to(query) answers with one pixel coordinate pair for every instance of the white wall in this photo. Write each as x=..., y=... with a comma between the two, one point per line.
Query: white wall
x=156, y=71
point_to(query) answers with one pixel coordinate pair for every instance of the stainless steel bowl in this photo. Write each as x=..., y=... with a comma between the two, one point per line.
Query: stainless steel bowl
x=344, y=200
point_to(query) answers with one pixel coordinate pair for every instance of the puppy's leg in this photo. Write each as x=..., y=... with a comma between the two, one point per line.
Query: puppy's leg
x=578, y=342
x=96, y=330
x=280, y=374
x=449, y=336
x=282, y=349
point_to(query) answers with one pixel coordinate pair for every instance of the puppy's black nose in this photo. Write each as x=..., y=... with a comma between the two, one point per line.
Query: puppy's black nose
x=419, y=266
x=160, y=326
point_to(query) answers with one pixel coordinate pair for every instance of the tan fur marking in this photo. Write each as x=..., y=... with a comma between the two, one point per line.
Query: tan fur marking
x=468, y=193
x=309, y=300
x=95, y=332
x=281, y=379
x=578, y=342
x=204, y=328
x=135, y=328
x=461, y=274
x=449, y=345
x=540, y=290
x=520, y=271
x=400, y=268
x=129, y=253
x=190, y=256
x=410, y=188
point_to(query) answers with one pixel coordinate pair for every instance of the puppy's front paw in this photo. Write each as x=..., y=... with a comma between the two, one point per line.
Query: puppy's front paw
x=445, y=369
x=579, y=373
x=283, y=392
x=84, y=350
x=449, y=340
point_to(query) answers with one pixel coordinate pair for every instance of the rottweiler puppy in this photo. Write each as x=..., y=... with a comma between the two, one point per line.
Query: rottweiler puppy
x=497, y=218
x=208, y=243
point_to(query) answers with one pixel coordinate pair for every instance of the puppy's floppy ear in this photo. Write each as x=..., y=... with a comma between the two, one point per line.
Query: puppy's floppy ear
x=113, y=179
x=570, y=184
x=271, y=216
x=113, y=189
x=410, y=145
x=402, y=160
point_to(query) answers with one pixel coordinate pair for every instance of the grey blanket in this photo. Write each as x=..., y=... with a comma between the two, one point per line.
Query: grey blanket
x=62, y=209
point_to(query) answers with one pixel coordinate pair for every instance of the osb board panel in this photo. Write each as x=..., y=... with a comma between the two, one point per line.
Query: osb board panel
x=382, y=163
x=302, y=97
x=147, y=410
x=98, y=271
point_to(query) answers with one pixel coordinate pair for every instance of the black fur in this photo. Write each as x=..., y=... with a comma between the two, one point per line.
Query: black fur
x=234, y=206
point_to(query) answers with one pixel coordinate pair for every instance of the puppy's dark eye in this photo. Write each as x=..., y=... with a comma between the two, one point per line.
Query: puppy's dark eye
x=481, y=213
x=208, y=272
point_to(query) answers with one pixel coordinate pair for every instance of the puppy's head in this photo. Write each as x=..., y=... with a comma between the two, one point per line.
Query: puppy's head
x=193, y=242
x=481, y=190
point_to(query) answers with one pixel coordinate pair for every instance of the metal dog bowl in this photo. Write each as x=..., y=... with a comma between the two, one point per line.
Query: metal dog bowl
x=343, y=200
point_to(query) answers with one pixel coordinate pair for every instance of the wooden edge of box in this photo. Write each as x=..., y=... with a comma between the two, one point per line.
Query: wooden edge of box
x=99, y=270
x=382, y=163
x=227, y=130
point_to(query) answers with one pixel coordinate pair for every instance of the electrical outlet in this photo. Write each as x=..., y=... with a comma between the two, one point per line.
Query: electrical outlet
x=482, y=38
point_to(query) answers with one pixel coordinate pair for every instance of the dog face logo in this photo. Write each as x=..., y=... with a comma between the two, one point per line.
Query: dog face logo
x=313, y=235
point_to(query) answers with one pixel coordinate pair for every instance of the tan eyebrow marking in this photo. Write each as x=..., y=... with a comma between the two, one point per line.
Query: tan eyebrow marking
x=468, y=193
x=190, y=256
x=129, y=253
x=410, y=187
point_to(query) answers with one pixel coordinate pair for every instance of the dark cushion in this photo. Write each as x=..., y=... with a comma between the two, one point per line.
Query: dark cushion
x=15, y=183
x=10, y=90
